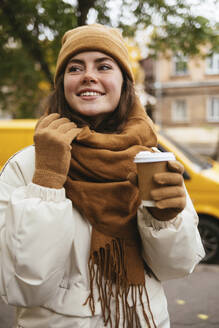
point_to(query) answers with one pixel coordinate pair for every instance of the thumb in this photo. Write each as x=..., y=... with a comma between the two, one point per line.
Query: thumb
x=72, y=134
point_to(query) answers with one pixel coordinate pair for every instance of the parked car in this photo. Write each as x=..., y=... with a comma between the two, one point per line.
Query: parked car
x=201, y=177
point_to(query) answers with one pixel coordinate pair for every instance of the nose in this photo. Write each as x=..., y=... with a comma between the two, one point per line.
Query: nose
x=89, y=77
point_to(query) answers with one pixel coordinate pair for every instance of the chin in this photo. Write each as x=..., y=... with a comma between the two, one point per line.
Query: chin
x=93, y=112
x=90, y=113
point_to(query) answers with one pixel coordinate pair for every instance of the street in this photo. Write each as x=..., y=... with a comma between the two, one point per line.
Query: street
x=193, y=301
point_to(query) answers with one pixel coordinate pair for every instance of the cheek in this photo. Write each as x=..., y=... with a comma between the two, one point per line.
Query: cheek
x=115, y=85
x=69, y=85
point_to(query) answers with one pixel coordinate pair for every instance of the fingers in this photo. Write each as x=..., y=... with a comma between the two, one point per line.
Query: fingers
x=178, y=202
x=58, y=122
x=167, y=192
x=170, y=196
x=168, y=178
x=68, y=129
x=53, y=121
x=47, y=120
x=58, y=128
x=65, y=126
x=171, y=193
x=175, y=166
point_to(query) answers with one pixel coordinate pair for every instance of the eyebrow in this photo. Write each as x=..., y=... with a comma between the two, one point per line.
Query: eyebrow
x=98, y=60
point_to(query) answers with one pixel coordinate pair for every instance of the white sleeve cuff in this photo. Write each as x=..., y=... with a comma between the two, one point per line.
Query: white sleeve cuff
x=146, y=219
x=44, y=193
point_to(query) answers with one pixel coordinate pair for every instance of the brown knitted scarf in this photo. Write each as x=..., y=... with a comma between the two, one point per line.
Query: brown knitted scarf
x=99, y=188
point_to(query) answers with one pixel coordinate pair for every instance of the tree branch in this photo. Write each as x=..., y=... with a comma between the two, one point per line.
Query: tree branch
x=83, y=9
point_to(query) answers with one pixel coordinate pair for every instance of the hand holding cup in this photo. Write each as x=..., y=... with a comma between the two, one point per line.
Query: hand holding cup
x=170, y=196
x=160, y=184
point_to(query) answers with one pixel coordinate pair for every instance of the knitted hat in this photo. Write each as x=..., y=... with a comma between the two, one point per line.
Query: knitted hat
x=95, y=37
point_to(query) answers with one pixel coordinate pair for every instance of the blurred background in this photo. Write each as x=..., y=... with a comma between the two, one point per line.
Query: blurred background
x=174, y=50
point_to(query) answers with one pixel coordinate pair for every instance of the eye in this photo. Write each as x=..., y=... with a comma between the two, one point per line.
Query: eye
x=74, y=69
x=104, y=67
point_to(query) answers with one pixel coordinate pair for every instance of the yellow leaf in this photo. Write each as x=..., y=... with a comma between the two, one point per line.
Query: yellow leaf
x=202, y=316
x=44, y=86
x=181, y=302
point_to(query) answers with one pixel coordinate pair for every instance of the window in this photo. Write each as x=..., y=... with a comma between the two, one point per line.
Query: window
x=179, y=111
x=212, y=64
x=213, y=109
x=180, y=65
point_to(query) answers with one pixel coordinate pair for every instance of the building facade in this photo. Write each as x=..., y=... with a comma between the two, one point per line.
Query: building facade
x=186, y=90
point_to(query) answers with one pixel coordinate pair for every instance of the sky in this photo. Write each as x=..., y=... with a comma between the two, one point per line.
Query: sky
x=207, y=8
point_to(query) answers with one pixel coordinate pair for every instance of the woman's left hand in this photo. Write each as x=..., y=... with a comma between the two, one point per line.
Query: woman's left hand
x=170, y=197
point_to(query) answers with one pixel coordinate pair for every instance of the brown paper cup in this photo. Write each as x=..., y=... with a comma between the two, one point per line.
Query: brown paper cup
x=148, y=164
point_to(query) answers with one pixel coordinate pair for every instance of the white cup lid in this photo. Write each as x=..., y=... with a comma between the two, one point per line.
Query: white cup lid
x=149, y=157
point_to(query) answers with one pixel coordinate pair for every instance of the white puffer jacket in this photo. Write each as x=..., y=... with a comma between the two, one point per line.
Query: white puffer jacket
x=44, y=250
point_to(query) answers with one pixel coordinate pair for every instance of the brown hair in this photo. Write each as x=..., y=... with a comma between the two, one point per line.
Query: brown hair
x=112, y=123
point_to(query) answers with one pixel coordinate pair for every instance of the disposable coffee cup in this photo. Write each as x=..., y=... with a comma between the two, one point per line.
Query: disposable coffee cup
x=148, y=163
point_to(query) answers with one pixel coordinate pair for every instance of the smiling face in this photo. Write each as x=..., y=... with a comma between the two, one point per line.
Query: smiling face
x=93, y=83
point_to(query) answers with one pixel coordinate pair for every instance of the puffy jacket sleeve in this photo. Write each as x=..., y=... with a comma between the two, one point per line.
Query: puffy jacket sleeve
x=172, y=248
x=36, y=235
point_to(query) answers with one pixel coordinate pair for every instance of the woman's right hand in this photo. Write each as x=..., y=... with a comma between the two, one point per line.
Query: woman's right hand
x=53, y=137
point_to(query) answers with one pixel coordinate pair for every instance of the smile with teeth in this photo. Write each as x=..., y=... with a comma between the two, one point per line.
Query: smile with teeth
x=90, y=93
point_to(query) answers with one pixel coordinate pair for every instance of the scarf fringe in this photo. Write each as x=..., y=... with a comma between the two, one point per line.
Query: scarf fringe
x=107, y=269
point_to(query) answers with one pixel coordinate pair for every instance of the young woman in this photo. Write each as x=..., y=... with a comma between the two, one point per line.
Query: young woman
x=77, y=247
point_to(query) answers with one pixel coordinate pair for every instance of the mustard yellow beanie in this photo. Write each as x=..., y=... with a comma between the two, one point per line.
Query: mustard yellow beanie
x=95, y=37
